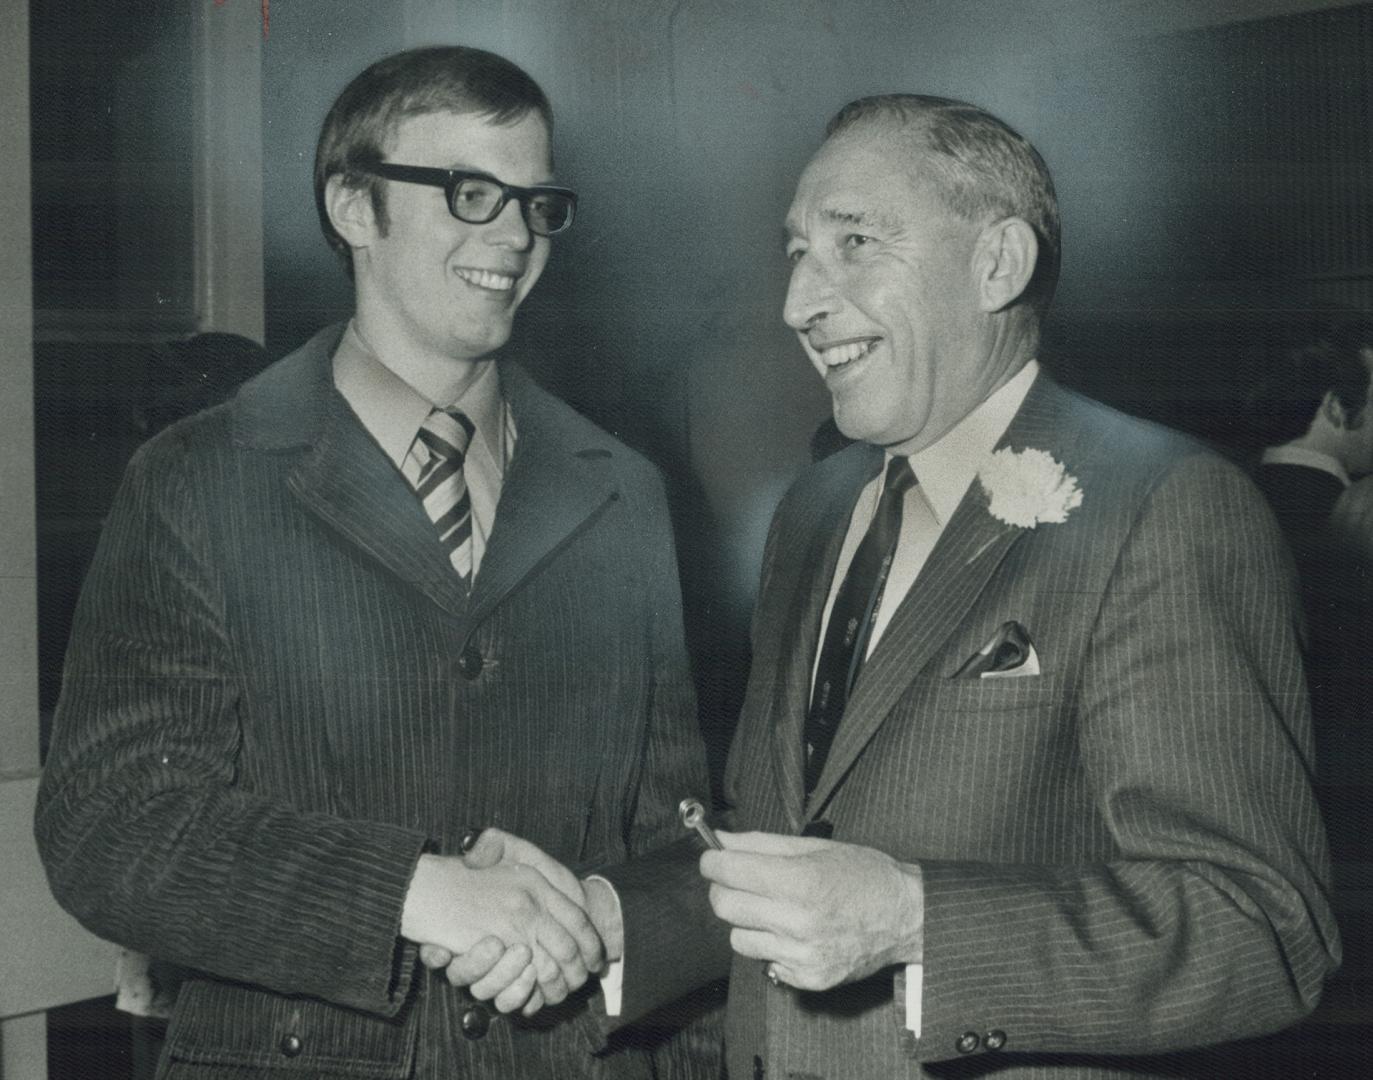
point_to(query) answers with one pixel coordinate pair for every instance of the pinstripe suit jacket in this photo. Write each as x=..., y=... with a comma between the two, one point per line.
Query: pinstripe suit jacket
x=278, y=694
x=1121, y=856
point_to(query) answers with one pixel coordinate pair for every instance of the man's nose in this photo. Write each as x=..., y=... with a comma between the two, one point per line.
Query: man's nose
x=810, y=295
x=508, y=228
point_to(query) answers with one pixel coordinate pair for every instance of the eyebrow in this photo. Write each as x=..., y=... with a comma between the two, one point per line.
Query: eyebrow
x=862, y=219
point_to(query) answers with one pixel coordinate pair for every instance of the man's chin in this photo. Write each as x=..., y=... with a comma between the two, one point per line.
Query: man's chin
x=859, y=429
x=479, y=346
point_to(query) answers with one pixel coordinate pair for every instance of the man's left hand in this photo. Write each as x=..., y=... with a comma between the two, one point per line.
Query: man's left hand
x=820, y=912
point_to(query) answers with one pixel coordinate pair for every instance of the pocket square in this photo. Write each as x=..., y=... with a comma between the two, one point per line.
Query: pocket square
x=1008, y=654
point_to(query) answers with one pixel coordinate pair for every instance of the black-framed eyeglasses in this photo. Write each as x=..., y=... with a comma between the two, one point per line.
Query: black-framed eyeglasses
x=477, y=198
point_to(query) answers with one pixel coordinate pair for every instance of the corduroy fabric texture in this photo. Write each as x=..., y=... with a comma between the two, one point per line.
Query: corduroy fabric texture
x=279, y=693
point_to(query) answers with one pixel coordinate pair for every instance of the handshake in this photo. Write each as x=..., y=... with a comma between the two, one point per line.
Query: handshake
x=511, y=923
x=519, y=929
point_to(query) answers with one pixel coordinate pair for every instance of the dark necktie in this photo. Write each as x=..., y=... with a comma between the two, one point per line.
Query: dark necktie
x=851, y=619
x=439, y=449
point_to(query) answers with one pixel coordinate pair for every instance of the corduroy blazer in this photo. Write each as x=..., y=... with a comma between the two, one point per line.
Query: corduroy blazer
x=1122, y=857
x=278, y=694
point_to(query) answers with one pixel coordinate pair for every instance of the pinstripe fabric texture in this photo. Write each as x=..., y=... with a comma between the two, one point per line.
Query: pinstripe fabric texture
x=1122, y=856
x=279, y=692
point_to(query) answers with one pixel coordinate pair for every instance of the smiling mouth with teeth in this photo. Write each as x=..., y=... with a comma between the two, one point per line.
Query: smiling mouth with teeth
x=846, y=352
x=487, y=279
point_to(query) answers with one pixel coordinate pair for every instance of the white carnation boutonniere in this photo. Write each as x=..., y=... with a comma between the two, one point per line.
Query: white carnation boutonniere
x=1028, y=488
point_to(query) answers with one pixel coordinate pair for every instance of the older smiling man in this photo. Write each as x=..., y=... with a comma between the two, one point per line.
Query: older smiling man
x=1026, y=751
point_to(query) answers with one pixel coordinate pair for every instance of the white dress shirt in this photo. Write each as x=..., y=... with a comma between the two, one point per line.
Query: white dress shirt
x=1304, y=455
x=944, y=471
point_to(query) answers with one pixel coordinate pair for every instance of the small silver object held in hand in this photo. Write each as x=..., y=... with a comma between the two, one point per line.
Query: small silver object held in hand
x=694, y=817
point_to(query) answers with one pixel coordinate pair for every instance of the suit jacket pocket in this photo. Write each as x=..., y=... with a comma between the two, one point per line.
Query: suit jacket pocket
x=219, y=1023
x=1031, y=693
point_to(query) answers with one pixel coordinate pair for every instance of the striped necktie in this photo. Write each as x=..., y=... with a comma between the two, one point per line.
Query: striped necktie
x=438, y=452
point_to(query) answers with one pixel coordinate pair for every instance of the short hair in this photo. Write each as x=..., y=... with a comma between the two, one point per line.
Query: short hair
x=443, y=78
x=981, y=166
x=1304, y=361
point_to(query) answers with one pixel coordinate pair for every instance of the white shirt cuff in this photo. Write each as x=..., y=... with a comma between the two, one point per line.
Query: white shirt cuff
x=612, y=986
x=613, y=979
x=915, y=993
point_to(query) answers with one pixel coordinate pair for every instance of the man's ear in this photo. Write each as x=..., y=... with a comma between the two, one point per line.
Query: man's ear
x=1342, y=418
x=1007, y=251
x=350, y=211
x=1333, y=412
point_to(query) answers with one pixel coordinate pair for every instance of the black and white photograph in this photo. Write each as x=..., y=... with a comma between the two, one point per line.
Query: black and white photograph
x=686, y=539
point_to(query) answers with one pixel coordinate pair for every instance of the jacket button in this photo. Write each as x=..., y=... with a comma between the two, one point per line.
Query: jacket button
x=994, y=1039
x=470, y=662
x=967, y=1042
x=291, y=1045
x=476, y=1022
x=758, y=1071
x=469, y=840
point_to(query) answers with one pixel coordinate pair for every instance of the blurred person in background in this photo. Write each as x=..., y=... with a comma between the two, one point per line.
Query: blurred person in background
x=1311, y=414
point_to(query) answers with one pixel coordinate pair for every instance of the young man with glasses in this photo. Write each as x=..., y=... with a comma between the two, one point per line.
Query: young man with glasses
x=380, y=657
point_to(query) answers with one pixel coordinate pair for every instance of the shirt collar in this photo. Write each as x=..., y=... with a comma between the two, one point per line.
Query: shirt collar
x=392, y=410
x=946, y=468
x=1304, y=455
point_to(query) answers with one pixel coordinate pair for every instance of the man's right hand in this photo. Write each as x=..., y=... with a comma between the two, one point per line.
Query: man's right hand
x=456, y=907
x=505, y=974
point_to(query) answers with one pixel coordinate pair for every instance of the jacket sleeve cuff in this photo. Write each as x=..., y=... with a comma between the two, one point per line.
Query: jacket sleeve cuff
x=666, y=909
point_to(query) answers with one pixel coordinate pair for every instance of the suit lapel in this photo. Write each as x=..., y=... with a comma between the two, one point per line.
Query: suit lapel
x=808, y=590
x=969, y=551
x=557, y=482
x=558, y=479
x=338, y=472
x=350, y=484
